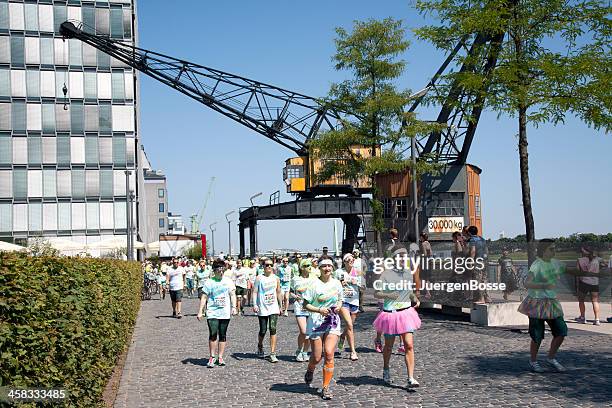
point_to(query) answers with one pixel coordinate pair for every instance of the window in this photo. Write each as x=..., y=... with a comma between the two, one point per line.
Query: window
x=6, y=218
x=387, y=208
x=130, y=145
x=31, y=17
x=89, y=19
x=63, y=150
x=105, y=121
x=34, y=116
x=49, y=150
x=123, y=118
x=45, y=17
x=75, y=48
x=102, y=21
x=46, y=51
x=106, y=184
x=34, y=150
x=78, y=183
x=104, y=86
x=60, y=52
x=89, y=56
x=35, y=183
x=17, y=51
x=61, y=80
x=445, y=204
x=5, y=49
x=76, y=85
x=91, y=150
x=160, y=192
x=5, y=82
x=106, y=216
x=48, y=118
x=162, y=222
x=477, y=206
x=35, y=216
x=20, y=217
x=118, y=86
x=106, y=150
x=19, y=116
x=5, y=116
x=18, y=83
x=103, y=59
x=119, y=151
x=6, y=183
x=162, y=207
x=6, y=149
x=47, y=79
x=91, y=118
x=32, y=50
x=116, y=23
x=402, y=208
x=63, y=216
x=60, y=14
x=77, y=150
x=16, y=19
x=49, y=184
x=93, y=216
x=20, y=184
x=127, y=23
x=49, y=216
x=120, y=215
x=77, y=125
x=4, y=16
x=62, y=118
x=20, y=150
x=91, y=88
x=92, y=183
x=79, y=220
x=33, y=84
x=64, y=183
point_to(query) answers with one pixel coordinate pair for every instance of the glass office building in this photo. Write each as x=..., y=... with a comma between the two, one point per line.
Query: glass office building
x=63, y=155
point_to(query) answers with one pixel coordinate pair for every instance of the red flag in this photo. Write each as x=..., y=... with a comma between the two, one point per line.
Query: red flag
x=203, y=236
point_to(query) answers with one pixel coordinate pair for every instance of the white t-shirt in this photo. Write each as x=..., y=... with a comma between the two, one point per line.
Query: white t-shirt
x=242, y=275
x=267, y=300
x=591, y=266
x=219, y=303
x=189, y=272
x=175, y=277
x=350, y=289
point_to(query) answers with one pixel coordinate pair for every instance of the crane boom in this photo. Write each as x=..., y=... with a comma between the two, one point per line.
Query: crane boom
x=203, y=210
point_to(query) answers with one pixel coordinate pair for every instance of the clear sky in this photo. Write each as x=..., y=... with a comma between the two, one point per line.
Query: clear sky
x=290, y=44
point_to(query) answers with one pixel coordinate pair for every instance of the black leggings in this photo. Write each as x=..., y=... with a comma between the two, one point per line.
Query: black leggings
x=217, y=326
x=264, y=322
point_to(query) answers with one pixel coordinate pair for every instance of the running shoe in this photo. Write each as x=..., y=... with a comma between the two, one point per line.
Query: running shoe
x=378, y=346
x=273, y=358
x=596, y=322
x=386, y=376
x=286, y=313
x=220, y=362
x=412, y=383
x=299, y=357
x=609, y=319
x=354, y=356
x=553, y=362
x=326, y=393
x=308, y=377
x=211, y=363
x=173, y=314
x=401, y=349
x=580, y=319
x=536, y=367
x=305, y=356
x=260, y=352
x=179, y=316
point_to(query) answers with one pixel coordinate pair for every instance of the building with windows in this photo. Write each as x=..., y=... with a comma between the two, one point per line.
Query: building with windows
x=153, y=202
x=68, y=122
x=176, y=226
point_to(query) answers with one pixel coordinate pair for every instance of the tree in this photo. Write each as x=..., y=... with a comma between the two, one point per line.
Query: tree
x=371, y=54
x=554, y=60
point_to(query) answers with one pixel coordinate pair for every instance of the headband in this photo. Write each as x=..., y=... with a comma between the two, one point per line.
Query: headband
x=326, y=262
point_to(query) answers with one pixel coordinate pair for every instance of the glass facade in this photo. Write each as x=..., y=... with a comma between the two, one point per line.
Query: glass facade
x=67, y=120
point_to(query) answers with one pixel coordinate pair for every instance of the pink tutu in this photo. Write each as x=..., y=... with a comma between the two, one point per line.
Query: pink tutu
x=393, y=323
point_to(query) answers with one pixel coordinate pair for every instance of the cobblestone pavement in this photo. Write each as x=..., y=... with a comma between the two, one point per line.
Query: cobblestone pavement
x=457, y=363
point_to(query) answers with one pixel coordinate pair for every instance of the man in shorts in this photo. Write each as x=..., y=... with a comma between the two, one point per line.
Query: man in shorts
x=589, y=263
x=176, y=283
x=285, y=272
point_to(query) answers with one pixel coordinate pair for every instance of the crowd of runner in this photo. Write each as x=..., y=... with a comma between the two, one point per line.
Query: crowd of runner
x=327, y=297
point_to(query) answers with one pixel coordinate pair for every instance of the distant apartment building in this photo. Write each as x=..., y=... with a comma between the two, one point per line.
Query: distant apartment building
x=176, y=226
x=63, y=155
x=153, y=202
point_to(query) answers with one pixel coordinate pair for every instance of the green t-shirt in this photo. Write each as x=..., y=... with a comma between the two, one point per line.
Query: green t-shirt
x=547, y=272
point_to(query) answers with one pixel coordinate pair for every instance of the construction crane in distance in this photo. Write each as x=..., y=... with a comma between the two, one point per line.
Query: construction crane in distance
x=196, y=219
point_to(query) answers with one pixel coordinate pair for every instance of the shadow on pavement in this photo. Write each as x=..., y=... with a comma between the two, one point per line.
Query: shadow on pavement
x=242, y=356
x=195, y=361
x=299, y=388
x=585, y=371
x=366, y=380
x=165, y=317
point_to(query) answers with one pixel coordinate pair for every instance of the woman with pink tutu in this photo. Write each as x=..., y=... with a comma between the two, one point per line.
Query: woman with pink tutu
x=398, y=317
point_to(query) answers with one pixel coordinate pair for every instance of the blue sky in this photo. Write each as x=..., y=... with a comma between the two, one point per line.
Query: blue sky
x=290, y=44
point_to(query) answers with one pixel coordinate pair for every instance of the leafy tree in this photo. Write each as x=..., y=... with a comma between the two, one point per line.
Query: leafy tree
x=554, y=60
x=370, y=53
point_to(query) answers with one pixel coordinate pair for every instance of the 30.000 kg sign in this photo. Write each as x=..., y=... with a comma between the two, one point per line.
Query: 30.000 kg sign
x=445, y=224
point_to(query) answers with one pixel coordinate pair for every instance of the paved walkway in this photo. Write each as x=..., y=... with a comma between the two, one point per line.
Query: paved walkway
x=457, y=363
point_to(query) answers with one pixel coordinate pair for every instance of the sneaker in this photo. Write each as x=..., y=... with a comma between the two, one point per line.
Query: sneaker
x=308, y=377
x=536, y=367
x=299, y=357
x=273, y=358
x=211, y=363
x=305, y=356
x=596, y=322
x=326, y=393
x=378, y=346
x=286, y=313
x=580, y=319
x=179, y=316
x=412, y=383
x=173, y=314
x=341, y=345
x=401, y=349
x=260, y=352
x=553, y=362
x=220, y=362
x=386, y=376
x=609, y=319
x=354, y=356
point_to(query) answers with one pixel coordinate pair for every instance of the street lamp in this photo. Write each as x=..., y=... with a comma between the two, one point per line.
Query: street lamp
x=253, y=197
x=212, y=231
x=229, y=231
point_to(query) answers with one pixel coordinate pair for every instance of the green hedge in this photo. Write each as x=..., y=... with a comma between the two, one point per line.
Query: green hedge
x=64, y=322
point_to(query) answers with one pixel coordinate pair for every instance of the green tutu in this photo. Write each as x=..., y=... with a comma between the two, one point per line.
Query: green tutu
x=541, y=308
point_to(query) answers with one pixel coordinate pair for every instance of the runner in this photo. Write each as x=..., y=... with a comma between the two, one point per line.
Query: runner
x=161, y=280
x=267, y=305
x=588, y=263
x=351, y=282
x=315, y=272
x=176, y=282
x=541, y=305
x=218, y=297
x=250, y=281
x=323, y=299
x=202, y=274
x=189, y=277
x=506, y=273
x=242, y=277
x=299, y=285
x=398, y=317
x=285, y=272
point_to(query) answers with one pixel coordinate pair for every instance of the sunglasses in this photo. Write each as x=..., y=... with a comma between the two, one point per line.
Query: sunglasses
x=266, y=265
